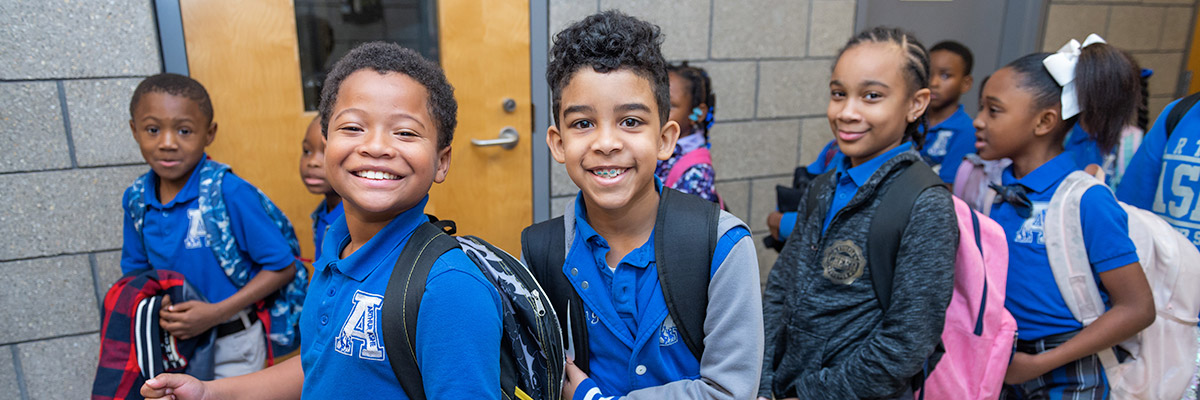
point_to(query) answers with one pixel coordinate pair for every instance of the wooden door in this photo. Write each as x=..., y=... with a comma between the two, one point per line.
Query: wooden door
x=246, y=55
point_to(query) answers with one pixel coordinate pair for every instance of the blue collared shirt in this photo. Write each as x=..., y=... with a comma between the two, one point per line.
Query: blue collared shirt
x=850, y=178
x=173, y=235
x=1033, y=297
x=632, y=341
x=458, y=325
x=948, y=142
x=322, y=218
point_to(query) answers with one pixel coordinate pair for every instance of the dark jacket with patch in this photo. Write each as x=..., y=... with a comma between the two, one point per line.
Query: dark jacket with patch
x=829, y=339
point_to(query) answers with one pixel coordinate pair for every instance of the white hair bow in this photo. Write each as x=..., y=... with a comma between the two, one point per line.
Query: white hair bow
x=1062, y=67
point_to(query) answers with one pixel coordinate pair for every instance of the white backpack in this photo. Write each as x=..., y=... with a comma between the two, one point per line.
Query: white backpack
x=1164, y=357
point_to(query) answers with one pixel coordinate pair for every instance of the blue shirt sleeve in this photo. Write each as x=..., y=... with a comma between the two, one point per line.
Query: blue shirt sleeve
x=1140, y=182
x=786, y=223
x=725, y=245
x=1105, y=230
x=256, y=234
x=962, y=144
x=458, y=332
x=133, y=250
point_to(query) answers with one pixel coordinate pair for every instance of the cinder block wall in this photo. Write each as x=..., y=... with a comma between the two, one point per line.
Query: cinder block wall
x=67, y=70
x=769, y=62
x=1156, y=32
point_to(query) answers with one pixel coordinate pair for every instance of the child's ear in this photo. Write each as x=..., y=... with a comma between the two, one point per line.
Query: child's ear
x=212, y=133
x=133, y=129
x=920, y=101
x=967, y=81
x=443, y=165
x=1046, y=120
x=555, y=142
x=668, y=135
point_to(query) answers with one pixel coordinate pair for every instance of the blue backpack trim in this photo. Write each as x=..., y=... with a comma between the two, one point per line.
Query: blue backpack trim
x=285, y=305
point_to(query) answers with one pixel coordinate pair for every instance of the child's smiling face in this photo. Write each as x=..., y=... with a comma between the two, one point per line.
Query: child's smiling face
x=312, y=160
x=381, y=154
x=870, y=101
x=610, y=138
x=172, y=133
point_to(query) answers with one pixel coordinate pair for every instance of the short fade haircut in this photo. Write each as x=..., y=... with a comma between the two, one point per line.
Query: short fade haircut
x=385, y=57
x=956, y=48
x=175, y=85
x=606, y=42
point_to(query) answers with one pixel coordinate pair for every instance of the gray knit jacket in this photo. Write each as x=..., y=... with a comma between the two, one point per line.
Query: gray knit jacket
x=828, y=340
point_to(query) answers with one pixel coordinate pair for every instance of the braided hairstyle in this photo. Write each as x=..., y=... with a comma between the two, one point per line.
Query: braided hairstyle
x=916, y=68
x=701, y=89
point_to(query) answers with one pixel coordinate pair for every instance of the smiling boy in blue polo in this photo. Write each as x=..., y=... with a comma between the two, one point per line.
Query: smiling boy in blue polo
x=389, y=117
x=610, y=100
x=168, y=213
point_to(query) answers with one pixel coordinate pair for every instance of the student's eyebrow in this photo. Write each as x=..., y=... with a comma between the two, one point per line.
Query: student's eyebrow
x=578, y=109
x=875, y=83
x=993, y=99
x=410, y=117
x=633, y=107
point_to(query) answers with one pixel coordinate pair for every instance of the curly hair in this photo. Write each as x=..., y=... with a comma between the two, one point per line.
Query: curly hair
x=385, y=57
x=609, y=41
x=916, y=68
x=175, y=85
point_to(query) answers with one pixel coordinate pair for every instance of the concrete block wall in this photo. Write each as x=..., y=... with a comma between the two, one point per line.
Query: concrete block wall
x=1156, y=32
x=66, y=155
x=770, y=63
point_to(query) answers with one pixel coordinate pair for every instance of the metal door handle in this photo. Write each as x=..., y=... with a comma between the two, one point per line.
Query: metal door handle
x=507, y=140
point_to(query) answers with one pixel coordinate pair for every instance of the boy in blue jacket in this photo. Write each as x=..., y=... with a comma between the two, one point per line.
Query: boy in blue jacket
x=389, y=117
x=611, y=100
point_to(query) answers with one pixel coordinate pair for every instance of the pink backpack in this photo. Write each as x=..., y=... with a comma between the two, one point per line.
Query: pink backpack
x=693, y=158
x=979, y=331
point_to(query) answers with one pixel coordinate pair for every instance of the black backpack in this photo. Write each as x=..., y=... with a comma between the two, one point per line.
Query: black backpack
x=1180, y=109
x=531, y=349
x=684, y=240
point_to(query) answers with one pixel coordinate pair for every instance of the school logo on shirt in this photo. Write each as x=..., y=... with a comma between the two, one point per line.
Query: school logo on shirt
x=1033, y=229
x=941, y=143
x=362, y=328
x=668, y=334
x=196, y=236
x=843, y=262
x=592, y=318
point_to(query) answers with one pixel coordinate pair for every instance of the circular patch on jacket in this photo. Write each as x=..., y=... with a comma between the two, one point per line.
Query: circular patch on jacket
x=843, y=262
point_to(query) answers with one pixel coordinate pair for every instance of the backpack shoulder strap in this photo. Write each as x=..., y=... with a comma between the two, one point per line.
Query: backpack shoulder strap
x=1065, y=250
x=402, y=300
x=686, y=161
x=1180, y=109
x=684, y=223
x=544, y=248
x=883, y=238
x=818, y=185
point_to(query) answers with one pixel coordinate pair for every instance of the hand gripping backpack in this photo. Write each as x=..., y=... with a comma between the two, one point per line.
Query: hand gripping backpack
x=531, y=346
x=1163, y=356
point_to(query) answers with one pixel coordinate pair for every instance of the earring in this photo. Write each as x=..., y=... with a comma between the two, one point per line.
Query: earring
x=696, y=114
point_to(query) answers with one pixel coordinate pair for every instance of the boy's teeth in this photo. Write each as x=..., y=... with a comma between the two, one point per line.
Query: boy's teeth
x=609, y=173
x=377, y=175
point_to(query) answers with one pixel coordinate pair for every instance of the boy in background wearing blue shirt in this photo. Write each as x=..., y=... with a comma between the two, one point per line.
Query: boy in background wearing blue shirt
x=951, y=136
x=172, y=122
x=611, y=100
x=389, y=117
x=312, y=172
x=1164, y=174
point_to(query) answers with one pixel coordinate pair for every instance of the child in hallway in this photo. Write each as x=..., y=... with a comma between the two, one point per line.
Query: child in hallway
x=693, y=105
x=828, y=333
x=312, y=173
x=1025, y=114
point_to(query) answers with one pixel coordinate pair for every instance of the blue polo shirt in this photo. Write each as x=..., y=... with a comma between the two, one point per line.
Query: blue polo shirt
x=632, y=341
x=849, y=179
x=322, y=218
x=173, y=235
x=1164, y=175
x=1033, y=297
x=948, y=142
x=458, y=325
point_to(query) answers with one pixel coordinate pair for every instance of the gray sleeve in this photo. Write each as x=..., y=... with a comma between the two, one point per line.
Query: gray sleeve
x=733, y=335
x=912, y=327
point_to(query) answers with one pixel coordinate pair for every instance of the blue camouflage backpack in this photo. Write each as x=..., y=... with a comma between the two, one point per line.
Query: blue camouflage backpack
x=284, y=306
